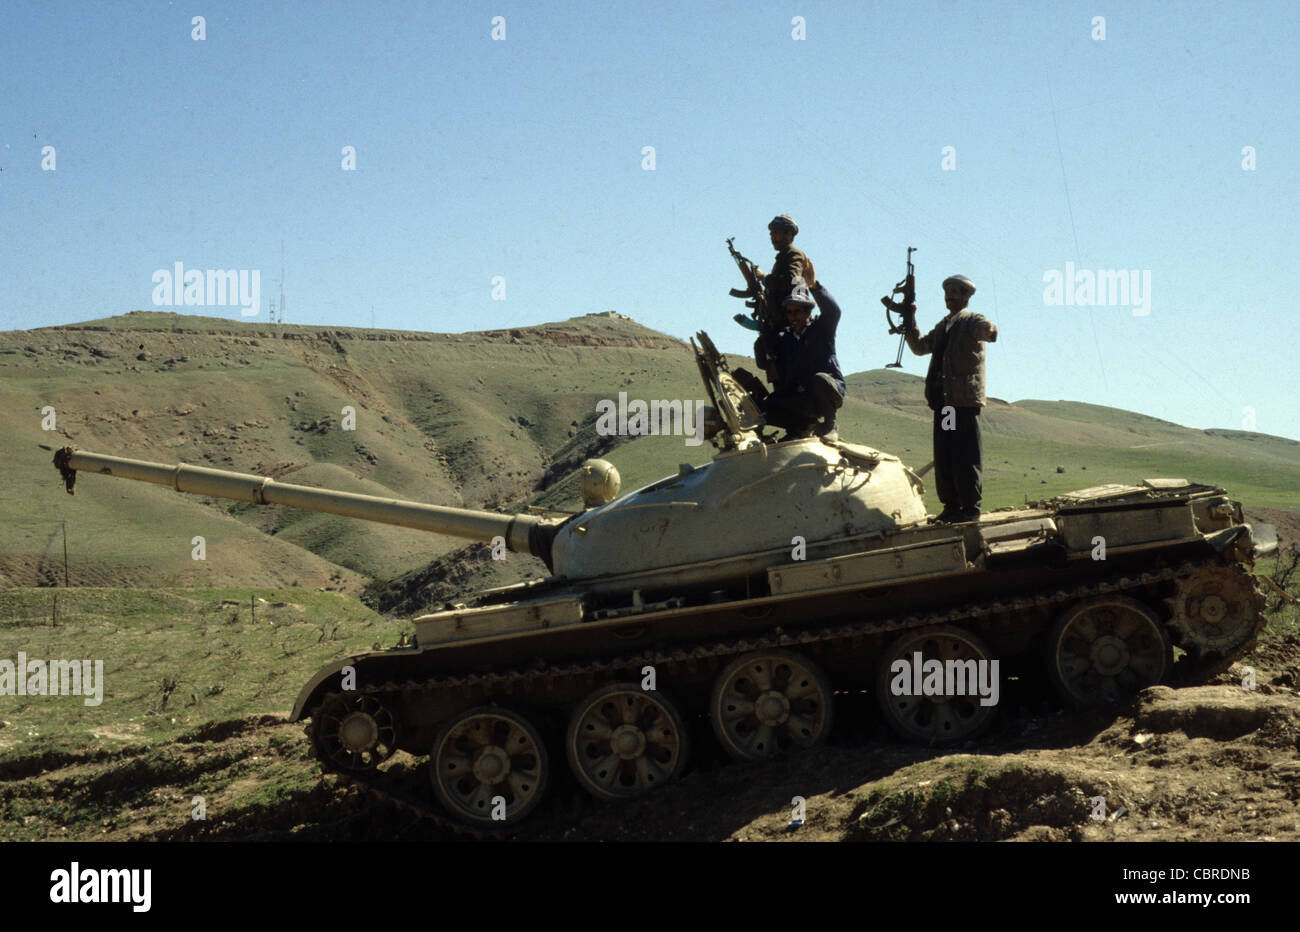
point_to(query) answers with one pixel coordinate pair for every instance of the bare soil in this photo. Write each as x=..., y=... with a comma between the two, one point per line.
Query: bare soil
x=1215, y=762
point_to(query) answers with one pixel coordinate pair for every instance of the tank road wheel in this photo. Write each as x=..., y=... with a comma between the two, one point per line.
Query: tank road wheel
x=623, y=741
x=954, y=712
x=353, y=732
x=768, y=702
x=486, y=756
x=1218, y=613
x=1106, y=648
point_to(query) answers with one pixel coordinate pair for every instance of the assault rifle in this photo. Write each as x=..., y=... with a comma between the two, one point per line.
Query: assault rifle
x=761, y=315
x=907, y=288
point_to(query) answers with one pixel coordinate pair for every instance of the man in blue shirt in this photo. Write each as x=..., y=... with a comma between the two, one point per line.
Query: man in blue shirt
x=812, y=387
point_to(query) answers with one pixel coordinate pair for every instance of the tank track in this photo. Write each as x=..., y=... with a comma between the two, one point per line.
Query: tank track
x=1202, y=668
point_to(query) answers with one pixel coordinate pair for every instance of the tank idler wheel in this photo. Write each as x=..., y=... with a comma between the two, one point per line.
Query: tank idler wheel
x=1105, y=649
x=624, y=741
x=489, y=767
x=769, y=702
x=354, y=732
x=944, y=709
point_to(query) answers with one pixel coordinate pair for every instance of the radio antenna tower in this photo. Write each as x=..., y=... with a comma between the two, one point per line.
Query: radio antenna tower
x=281, y=281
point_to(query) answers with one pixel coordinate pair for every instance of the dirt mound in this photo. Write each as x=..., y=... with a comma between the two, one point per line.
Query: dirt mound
x=1222, y=712
x=978, y=807
x=222, y=731
x=1281, y=657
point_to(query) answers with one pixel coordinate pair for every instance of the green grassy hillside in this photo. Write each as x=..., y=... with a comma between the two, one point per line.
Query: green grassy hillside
x=465, y=420
x=175, y=658
x=492, y=420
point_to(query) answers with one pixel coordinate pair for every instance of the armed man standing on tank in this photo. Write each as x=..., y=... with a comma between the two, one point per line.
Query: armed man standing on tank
x=954, y=390
x=787, y=267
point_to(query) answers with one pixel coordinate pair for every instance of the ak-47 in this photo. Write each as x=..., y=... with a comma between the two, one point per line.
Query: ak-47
x=754, y=294
x=760, y=315
x=905, y=307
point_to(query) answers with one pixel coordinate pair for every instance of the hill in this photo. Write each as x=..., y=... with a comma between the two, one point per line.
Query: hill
x=472, y=420
x=492, y=420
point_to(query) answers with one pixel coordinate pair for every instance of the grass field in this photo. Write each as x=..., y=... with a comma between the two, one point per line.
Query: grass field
x=173, y=659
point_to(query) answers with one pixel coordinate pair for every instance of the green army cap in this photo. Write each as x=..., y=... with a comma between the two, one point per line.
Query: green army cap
x=783, y=222
x=962, y=281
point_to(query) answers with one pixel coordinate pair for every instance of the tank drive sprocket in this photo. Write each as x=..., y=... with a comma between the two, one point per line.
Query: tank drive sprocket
x=1217, y=611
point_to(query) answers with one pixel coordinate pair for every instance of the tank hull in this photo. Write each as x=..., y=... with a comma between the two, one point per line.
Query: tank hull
x=1005, y=584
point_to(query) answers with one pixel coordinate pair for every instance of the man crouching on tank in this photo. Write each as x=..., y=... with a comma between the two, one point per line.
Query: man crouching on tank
x=811, y=389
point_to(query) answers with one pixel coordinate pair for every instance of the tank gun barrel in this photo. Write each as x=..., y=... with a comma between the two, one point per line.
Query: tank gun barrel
x=522, y=533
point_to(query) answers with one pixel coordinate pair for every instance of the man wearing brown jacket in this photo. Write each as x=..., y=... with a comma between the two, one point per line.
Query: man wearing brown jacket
x=954, y=390
x=787, y=267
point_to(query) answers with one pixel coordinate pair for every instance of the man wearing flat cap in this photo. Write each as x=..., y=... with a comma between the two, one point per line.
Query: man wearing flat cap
x=787, y=267
x=954, y=390
x=812, y=387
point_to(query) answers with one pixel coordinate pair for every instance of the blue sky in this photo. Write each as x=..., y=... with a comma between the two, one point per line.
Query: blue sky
x=523, y=158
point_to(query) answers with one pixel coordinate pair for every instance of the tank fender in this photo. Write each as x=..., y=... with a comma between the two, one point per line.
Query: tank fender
x=1224, y=539
x=319, y=684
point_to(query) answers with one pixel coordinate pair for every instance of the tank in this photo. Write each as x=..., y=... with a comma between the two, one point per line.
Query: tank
x=733, y=601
